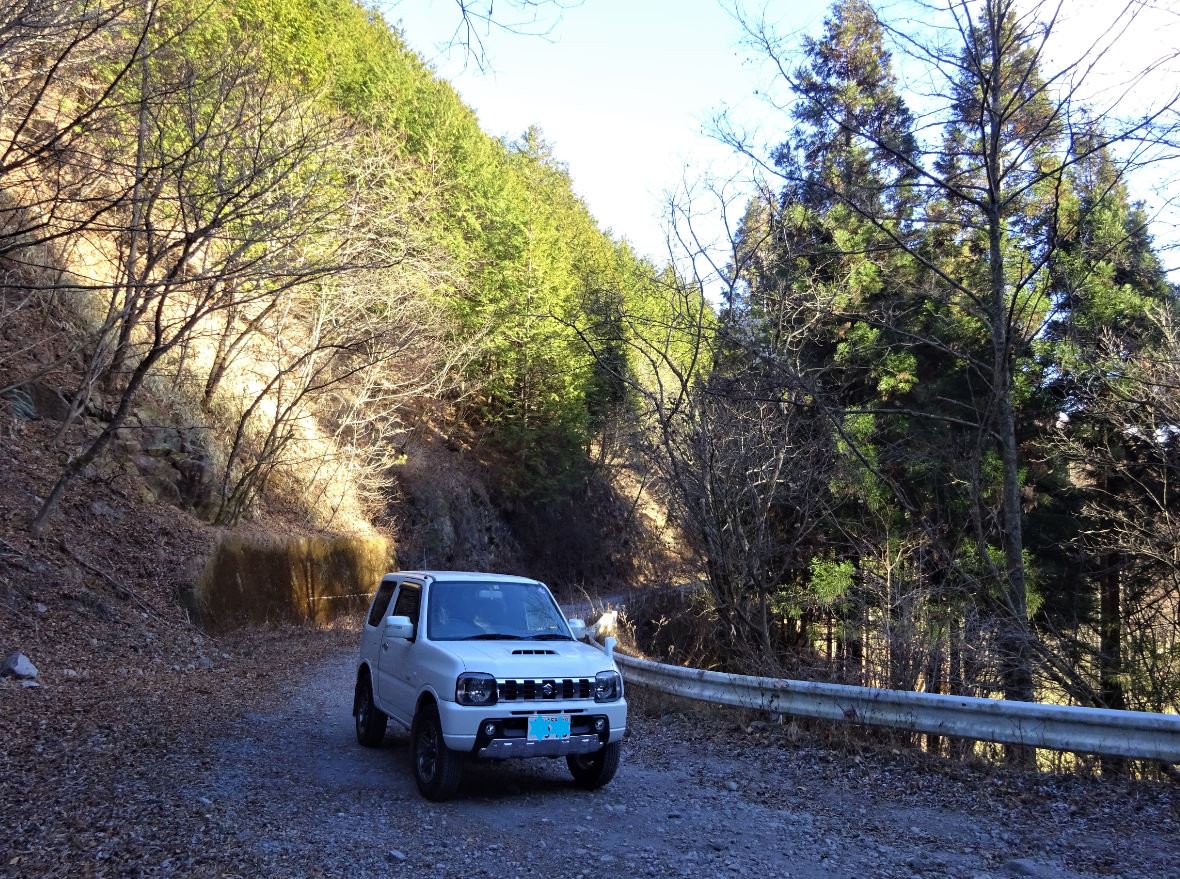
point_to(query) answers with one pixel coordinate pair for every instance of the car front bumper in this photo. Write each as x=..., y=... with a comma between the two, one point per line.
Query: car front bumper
x=463, y=728
x=506, y=749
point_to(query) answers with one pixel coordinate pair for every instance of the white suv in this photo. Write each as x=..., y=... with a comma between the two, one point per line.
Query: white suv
x=485, y=665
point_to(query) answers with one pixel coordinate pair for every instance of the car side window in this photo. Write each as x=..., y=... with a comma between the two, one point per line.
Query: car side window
x=381, y=601
x=408, y=603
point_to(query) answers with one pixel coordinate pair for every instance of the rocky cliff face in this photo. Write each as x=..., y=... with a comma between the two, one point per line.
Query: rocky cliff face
x=160, y=460
x=448, y=513
x=122, y=558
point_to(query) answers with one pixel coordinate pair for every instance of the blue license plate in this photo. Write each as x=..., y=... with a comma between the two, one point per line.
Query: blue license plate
x=547, y=727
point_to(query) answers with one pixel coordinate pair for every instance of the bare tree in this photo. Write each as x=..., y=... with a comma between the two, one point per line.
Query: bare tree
x=343, y=362
x=231, y=176
x=385, y=227
x=1125, y=458
x=478, y=19
x=63, y=66
x=743, y=458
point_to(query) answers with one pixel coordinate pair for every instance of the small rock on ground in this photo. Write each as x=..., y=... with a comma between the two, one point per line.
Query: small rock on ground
x=1022, y=867
x=17, y=665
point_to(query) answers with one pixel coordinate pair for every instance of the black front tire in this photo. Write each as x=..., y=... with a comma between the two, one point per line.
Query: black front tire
x=437, y=768
x=593, y=771
x=370, y=720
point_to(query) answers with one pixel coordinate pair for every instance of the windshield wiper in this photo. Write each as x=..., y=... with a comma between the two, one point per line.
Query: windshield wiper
x=550, y=636
x=492, y=636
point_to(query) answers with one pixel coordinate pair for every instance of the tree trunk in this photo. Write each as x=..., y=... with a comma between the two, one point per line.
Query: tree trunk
x=131, y=276
x=1015, y=661
x=1111, y=625
x=1110, y=658
x=854, y=674
x=934, y=683
x=960, y=748
x=79, y=463
x=831, y=643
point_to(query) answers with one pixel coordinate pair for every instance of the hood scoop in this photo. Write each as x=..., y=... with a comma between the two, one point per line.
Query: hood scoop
x=539, y=651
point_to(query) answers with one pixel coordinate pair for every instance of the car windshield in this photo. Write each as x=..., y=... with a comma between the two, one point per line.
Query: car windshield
x=493, y=612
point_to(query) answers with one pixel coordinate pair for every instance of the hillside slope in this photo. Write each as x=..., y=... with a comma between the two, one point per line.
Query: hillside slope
x=264, y=277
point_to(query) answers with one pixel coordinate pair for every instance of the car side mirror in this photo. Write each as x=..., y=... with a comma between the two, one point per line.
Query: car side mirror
x=577, y=629
x=398, y=627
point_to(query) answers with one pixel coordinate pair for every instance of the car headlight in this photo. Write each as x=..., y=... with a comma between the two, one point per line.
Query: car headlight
x=608, y=686
x=475, y=688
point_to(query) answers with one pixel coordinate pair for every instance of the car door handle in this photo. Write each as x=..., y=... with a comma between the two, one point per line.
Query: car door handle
x=384, y=645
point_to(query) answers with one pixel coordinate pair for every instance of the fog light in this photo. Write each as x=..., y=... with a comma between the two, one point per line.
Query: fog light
x=599, y=724
x=489, y=730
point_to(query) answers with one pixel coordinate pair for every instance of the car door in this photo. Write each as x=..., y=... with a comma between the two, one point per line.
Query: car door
x=374, y=624
x=397, y=677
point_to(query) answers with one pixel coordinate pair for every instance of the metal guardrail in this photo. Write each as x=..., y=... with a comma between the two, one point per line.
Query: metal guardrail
x=1130, y=734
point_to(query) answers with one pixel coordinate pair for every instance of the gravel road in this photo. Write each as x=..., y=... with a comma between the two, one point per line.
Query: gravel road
x=295, y=795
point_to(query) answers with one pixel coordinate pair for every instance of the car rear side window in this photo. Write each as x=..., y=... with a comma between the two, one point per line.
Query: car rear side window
x=409, y=600
x=381, y=601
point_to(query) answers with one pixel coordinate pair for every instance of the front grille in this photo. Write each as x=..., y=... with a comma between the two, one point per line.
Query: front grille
x=544, y=689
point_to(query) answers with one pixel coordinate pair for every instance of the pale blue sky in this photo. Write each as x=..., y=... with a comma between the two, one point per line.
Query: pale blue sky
x=626, y=89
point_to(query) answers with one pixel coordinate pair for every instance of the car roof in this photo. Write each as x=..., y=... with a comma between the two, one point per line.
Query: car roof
x=465, y=577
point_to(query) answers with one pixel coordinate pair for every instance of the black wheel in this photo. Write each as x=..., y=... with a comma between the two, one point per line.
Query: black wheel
x=592, y=771
x=370, y=720
x=437, y=768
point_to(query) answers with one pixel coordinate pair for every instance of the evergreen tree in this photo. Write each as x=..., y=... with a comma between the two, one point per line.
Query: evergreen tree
x=819, y=278
x=1107, y=283
x=932, y=271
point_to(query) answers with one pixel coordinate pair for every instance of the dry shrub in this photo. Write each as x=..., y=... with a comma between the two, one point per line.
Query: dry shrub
x=677, y=626
x=303, y=578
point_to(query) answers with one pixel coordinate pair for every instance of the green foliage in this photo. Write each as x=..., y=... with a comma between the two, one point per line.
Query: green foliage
x=977, y=339
x=830, y=580
x=528, y=263
x=897, y=373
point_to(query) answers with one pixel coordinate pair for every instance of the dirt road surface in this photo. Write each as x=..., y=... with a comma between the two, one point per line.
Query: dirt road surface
x=286, y=791
x=307, y=799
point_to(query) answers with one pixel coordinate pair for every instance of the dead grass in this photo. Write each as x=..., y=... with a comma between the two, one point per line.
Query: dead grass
x=302, y=578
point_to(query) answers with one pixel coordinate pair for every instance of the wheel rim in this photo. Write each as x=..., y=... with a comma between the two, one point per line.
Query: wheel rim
x=427, y=753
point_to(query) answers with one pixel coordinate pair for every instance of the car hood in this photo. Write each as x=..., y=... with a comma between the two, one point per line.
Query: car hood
x=530, y=659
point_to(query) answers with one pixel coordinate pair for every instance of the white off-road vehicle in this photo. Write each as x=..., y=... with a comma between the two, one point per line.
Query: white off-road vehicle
x=485, y=666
